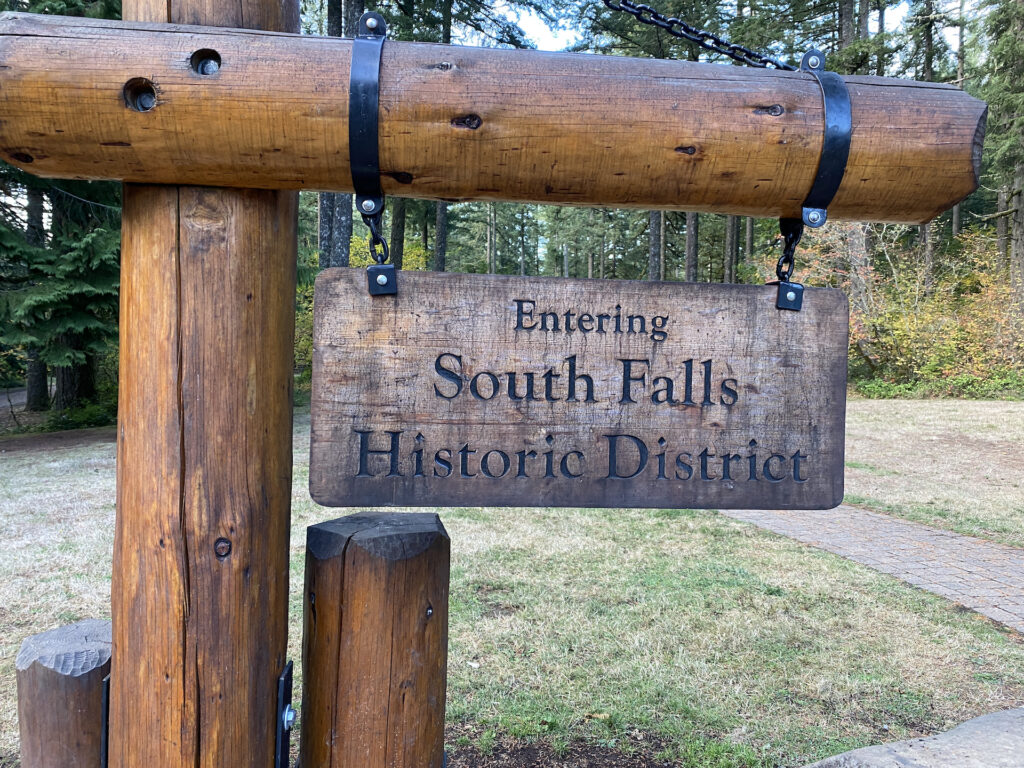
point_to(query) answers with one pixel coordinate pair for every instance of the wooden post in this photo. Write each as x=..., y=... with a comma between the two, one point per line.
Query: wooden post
x=200, y=582
x=376, y=642
x=60, y=695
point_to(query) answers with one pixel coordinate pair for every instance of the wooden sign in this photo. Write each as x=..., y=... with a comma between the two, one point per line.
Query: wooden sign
x=485, y=390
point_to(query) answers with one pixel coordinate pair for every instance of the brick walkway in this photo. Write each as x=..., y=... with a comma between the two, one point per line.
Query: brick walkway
x=980, y=575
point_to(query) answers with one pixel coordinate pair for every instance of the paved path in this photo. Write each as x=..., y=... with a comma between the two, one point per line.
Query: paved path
x=986, y=577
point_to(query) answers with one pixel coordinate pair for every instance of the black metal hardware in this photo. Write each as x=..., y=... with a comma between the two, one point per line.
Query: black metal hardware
x=791, y=295
x=835, y=148
x=709, y=41
x=363, y=136
x=105, y=727
x=285, y=718
x=382, y=279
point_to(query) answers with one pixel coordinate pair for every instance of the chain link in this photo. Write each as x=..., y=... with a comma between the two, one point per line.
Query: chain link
x=792, y=230
x=377, y=240
x=709, y=41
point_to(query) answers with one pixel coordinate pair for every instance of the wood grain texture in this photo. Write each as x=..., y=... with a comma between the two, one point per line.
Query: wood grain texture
x=376, y=642
x=460, y=123
x=60, y=695
x=463, y=390
x=204, y=456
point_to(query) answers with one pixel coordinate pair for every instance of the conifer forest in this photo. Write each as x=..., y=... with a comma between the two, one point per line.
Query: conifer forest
x=936, y=310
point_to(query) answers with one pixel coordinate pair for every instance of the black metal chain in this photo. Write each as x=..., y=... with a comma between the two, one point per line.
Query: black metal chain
x=377, y=240
x=709, y=41
x=792, y=231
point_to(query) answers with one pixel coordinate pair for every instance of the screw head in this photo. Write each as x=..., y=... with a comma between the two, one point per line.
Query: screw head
x=430, y=611
x=382, y=279
x=209, y=67
x=368, y=206
x=814, y=217
x=791, y=296
x=371, y=23
x=814, y=62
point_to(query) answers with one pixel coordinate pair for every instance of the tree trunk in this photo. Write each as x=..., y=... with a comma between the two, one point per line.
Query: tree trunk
x=928, y=244
x=748, y=240
x=882, y=63
x=692, y=231
x=863, y=17
x=847, y=22
x=661, y=245
x=353, y=10
x=731, y=255
x=398, y=231
x=37, y=387
x=654, y=251
x=492, y=239
x=335, y=18
x=446, y=22
x=441, y=237
x=336, y=207
x=1003, y=226
x=957, y=223
x=1017, y=238
x=75, y=383
x=325, y=238
x=857, y=246
x=928, y=70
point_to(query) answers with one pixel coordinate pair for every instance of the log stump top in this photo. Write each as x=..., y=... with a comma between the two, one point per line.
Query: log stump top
x=72, y=650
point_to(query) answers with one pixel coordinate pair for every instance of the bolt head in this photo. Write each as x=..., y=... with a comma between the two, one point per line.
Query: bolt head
x=814, y=217
x=288, y=717
x=209, y=67
x=382, y=279
x=814, y=62
x=791, y=296
x=368, y=206
x=430, y=611
x=371, y=23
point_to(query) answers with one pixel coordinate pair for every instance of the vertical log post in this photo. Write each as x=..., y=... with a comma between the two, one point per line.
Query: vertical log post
x=200, y=582
x=375, y=646
x=60, y=695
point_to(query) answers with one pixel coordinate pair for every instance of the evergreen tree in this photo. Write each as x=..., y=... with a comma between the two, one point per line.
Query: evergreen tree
x=58, y=290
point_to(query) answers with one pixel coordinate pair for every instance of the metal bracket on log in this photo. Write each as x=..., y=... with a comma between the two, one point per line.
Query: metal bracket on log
x=285, y=718
x=364, y=144
x=105, y=728
x=835, y=147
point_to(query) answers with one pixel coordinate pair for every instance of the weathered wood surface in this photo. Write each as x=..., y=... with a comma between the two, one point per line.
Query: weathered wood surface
x=375, y=645
x=60, y=695
x=200, y=578
x=463, y=123
x=488, y=402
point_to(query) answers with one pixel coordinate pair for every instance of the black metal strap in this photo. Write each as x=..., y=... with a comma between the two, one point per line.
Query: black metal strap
x=363, y=118
x=835, y=149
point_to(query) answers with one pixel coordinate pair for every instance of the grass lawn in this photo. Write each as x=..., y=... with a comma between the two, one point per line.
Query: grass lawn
x=682, y=635
x=955, y=464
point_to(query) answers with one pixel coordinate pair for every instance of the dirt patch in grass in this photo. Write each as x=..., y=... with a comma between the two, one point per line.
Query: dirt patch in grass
x=542, y=755
x=49, y=441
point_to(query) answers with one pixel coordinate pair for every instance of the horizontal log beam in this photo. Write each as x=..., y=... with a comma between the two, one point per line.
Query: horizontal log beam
x=461, y=123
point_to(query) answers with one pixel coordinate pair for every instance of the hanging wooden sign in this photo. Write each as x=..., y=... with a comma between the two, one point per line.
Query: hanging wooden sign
x=486, y=390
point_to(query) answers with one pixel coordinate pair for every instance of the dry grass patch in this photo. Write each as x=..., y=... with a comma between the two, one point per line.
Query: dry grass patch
x=954, y=464
x=723, y=645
